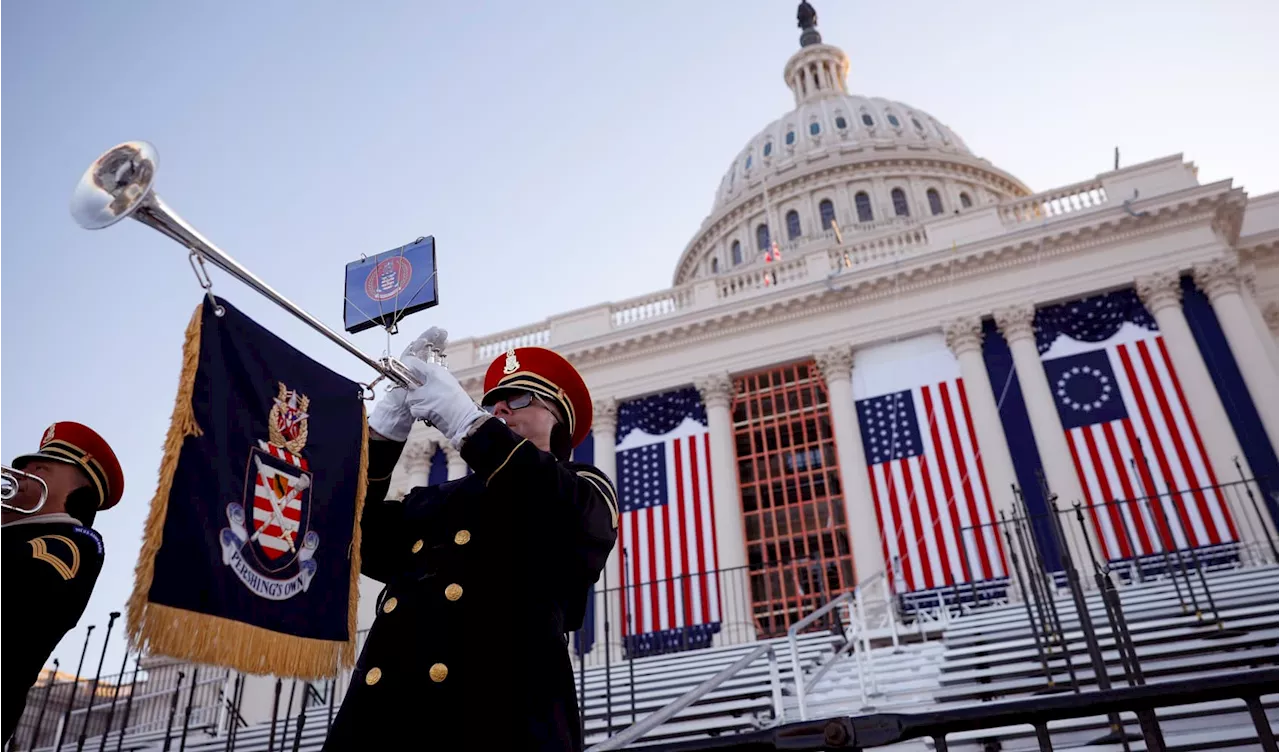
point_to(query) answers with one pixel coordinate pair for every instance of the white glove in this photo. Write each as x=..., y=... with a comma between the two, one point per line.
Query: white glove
x=441, y=400
x=391, y=416
x=433, y=338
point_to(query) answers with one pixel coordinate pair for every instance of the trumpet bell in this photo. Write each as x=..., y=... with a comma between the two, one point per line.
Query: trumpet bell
x=115, y=185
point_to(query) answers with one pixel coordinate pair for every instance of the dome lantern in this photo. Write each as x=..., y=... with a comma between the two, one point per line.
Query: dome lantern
x=818, y=70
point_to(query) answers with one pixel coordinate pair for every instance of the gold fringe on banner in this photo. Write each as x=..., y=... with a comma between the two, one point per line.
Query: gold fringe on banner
x=215, y=640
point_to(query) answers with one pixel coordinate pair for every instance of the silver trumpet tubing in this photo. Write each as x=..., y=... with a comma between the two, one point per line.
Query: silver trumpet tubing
x=10, y=478
x=119, y=184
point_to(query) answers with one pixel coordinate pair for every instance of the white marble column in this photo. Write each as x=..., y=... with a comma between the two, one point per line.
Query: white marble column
x=1248, y=276
x=457, y=465
x=716, y=391
x=419, y=471
x=836, y=365
x=1271, y=316
x=604, y=424
x=1017, y=325
x=1220, y=282
x=964, y=338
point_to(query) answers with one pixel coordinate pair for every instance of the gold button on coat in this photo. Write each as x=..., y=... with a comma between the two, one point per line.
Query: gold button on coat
x=438, y=672
x=453, y=592
x=390, y=605
x=461, y=537
x=373, y=676
x=417, y=546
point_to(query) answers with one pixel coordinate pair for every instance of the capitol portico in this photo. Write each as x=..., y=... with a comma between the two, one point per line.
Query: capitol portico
x=856, y=249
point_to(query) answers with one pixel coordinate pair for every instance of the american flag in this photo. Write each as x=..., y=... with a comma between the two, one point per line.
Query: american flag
x=929, y=486
x=271, y=486
x=1132, y=437
x=666, y=529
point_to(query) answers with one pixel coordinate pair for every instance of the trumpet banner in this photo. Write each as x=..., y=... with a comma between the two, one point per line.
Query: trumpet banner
x=251, y=551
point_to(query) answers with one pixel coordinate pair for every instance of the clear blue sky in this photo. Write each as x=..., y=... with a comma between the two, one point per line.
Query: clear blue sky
x=560, y=159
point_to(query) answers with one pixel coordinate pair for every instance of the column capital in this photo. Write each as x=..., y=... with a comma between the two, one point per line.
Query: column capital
x=835, y=363
x=963, y=334
x=1159, y=290
x=604, y=414
x=1017, y=322
x=1218, y=277
x=715, y=389
x=1271, y=314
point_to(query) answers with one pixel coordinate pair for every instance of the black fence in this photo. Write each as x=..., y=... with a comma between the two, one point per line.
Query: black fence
x=863, y=732
x=173, y=700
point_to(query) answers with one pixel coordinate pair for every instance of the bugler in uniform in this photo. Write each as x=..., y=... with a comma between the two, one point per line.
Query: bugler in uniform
x=52, y=557
x=484, y=575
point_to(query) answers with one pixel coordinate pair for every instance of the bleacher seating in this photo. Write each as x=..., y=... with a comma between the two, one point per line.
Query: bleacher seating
x=990, y=655
x=985, y=655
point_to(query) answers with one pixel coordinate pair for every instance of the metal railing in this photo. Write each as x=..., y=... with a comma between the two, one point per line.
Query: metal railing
x=667, y=712
x=880, y=729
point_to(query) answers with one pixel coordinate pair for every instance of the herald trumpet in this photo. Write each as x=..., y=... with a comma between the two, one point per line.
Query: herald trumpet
x=120, y=184
x=10, y=477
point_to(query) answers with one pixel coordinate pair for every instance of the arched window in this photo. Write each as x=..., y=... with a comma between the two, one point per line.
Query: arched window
x=748, y=164
x=867, y=120
x=827, y=211
x=715, y=265
x=791, y=137
x=768, y=148
x=841, y=123
x=893, y=120
x=793, y=224
x=965, y=201
x=762, y=237
x=863, y=203
x=935, y=201
x=814, y=129
x=900, y=207
x=737, y=253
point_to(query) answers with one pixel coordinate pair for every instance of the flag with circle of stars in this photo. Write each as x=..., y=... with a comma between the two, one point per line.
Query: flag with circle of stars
x=1145, y=478
x=1085, y=389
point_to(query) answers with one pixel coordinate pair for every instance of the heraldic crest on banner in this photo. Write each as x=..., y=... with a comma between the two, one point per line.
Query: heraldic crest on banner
x=272, y=554
x=251, y=551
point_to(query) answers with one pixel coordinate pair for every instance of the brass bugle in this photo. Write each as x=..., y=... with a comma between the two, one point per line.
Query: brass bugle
x=119, y=184
x=10, y=477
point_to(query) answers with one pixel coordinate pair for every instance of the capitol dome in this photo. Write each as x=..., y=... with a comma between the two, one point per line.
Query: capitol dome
x=838, y=122
x=837, y=168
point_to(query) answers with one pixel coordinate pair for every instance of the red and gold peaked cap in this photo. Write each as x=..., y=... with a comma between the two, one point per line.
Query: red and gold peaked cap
x=79, y=445
x=547, y=374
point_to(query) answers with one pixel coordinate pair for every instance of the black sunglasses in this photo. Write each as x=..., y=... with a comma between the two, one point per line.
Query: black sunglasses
x=518, y=399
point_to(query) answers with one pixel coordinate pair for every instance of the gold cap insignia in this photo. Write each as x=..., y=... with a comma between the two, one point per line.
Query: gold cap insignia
x=511, y=365
x=48, y=436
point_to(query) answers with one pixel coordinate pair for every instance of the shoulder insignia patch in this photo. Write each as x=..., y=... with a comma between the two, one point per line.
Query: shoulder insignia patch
x=605, y=486
x=92, y=534
x=49, y=549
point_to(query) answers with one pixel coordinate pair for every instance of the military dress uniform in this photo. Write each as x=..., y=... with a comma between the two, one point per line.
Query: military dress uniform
x=51, y=564
x=484, y=577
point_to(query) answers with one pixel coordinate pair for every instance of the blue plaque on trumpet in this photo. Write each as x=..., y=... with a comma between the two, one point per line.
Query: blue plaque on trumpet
x=382, y=289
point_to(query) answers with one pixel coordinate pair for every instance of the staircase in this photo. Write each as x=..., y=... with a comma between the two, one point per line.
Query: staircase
x=991, y=655
x=947, y=661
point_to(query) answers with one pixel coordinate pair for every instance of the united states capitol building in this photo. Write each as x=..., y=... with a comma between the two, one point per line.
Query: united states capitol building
x=856, y=249
x=891, y=376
